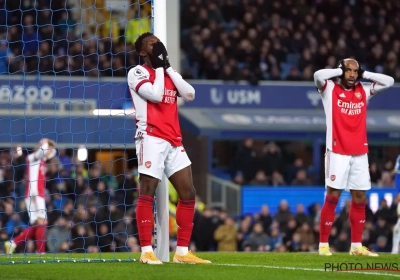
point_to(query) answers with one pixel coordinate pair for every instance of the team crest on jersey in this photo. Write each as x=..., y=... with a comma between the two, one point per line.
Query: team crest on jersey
x=358, y=95
x=147, y=164
x=333, y=177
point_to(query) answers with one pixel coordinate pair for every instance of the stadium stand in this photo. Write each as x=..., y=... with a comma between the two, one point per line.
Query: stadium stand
x=287, y=39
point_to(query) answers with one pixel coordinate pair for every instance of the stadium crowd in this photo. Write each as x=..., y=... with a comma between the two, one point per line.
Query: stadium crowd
x=91, y=210
x=287, y=39
x=56, y=38
x=267, y=164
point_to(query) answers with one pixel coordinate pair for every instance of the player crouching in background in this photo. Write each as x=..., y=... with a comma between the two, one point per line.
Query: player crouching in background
x=35, y=197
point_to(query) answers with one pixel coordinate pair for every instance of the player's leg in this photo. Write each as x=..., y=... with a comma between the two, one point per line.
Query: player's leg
x=41, y=223
x=151, y=153
x=359, y=182
x=178, y=170
x=27, y=233
x=336, y=173
x=396, y=238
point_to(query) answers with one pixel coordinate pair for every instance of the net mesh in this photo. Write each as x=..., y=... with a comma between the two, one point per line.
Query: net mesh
x=63, y=66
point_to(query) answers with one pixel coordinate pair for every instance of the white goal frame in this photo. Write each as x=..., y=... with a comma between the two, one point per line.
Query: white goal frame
x=159, y=17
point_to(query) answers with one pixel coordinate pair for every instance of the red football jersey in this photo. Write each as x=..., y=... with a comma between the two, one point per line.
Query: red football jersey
x=346, y=117
x=36, y=176
x=155, y=119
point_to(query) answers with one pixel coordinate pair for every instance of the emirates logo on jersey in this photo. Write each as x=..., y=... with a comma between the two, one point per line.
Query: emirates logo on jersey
x=358, y=95
x=350, y=108
x=169, y=96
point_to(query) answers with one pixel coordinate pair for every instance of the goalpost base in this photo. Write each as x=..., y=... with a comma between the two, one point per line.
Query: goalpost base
x=162, y=221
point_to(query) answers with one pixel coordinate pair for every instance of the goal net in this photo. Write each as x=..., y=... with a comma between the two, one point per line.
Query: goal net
x=63, y=67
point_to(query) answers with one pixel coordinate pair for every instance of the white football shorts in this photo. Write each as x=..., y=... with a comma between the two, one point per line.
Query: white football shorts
x=36, y=207
x=157, y=156
x=347, y=172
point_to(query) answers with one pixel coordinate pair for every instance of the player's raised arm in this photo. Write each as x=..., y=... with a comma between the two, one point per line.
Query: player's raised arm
x=45, y=149
x=322, y=76
x=381, y=81
x=186, y=91
x=138, y=81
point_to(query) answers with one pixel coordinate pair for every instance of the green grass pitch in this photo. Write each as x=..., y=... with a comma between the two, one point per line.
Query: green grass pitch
x=228, y=266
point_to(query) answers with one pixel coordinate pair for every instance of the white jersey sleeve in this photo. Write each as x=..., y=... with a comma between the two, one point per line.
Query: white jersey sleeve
x=139, y=83
x=380, y=82
x=398, y=209
x=185, y=90
x=322, y=78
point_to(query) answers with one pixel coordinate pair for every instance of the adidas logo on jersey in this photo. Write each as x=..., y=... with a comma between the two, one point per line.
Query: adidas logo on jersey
x=161, y=57
x=342, y=95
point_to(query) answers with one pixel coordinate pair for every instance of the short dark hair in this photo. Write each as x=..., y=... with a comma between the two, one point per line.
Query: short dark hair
x=139, y=41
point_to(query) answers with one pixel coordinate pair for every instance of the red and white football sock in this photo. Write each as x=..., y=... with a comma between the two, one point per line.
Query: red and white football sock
x=327, y=218
x=24, y=236
x=184, y=220
x=357, y=223
x=40, y=238
x=144, y=220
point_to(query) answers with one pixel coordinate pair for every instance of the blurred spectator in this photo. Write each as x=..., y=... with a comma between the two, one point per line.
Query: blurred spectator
x=258, y=240
x=244, y=161
x=30, y=40
x=301, y=179
x=137, y=25
x=260, y=179
x=225, y=235
x=342, y=243
x=277, y=179
x=58, y=236
x=5, y=57
x=374, y=172
x=386, y=180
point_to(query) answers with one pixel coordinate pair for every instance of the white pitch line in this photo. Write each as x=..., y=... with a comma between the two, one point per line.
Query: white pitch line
x=309, y=269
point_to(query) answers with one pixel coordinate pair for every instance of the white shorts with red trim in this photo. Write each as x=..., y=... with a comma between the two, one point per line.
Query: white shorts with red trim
x=157, y=156
x=347, y=172
x=36, y=207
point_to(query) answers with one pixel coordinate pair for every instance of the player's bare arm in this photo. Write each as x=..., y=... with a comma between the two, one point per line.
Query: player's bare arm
x=45, y=149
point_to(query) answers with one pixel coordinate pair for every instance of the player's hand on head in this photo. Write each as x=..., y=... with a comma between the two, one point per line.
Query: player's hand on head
x=360, y=72
x=341, y=66
x=52, y=143
x=159, y=58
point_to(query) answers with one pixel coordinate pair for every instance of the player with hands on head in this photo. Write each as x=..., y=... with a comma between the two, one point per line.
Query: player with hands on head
x=35, y=197
x=346, y=158
x=155, y=87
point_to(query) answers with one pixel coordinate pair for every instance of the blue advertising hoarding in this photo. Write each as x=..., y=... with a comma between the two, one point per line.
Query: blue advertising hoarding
x=91, y=131
x=254, y=197
x=275, y=95
x=114, y=94
x=108, y=93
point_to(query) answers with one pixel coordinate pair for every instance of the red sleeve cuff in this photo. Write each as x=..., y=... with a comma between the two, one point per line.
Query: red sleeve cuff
x=140, y=84
x=324, y=87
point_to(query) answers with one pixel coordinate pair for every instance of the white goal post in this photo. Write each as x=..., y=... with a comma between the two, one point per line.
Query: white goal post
x=159, y=16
